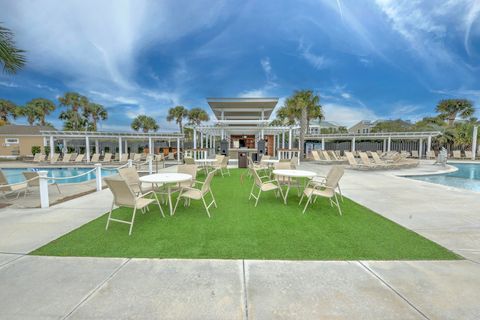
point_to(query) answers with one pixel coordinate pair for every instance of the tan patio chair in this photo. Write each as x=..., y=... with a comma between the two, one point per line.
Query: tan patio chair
x=365, y=160
x=80, y=157
x=316, y=156
x=414, y=153
x=54, y=158
x=124, y=157
x=223, y=167
x=107, y=157
x=66, y=157
x=294, y=162
x=468, y=155
x=430, y=154
x=457, y=154
x=73, y=157
x=33, y=180
x=326, y=190
x=190, y=193
x=137, y=157
x=7, y=188
x=130, y=175
x=353, y=163
x=95, y=158
x=36, y=157
x=190, y=169
x=124, y=196
x=263, y=186
x=188, y=160
x=326, y=156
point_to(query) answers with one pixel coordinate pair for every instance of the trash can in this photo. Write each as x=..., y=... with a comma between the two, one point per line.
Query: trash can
x=242, y=159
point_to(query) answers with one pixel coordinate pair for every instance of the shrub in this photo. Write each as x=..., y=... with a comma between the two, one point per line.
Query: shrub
x=36, y=149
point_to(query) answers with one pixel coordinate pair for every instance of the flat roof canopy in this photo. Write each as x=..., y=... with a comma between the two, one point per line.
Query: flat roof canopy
x=242, y=108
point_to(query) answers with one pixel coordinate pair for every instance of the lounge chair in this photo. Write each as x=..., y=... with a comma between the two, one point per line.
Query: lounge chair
x=191, y=193
x=124, y=196
x=7, y=188
x=457, y=154
x=353, y=163
x=73, y=157
x=430, y=154
x=79, y=158
x=137, y=157
x=332, y=155
x=124, y=157
x=171, y=156
x=95, y=157
x=414, y=153
x=326, y=156
x=130, y=175
x=131, y=156
x=66, y=157
x=107, y=157
x=263, y=186
x=468, y=155
x=39, y=157
x=326, y=190
x=33, y=180
x=365, y=160
x=316, y=156
x=54, y=158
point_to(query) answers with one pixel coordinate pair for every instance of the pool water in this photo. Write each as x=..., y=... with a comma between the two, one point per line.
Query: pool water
x=15, y=175
x=467, y=177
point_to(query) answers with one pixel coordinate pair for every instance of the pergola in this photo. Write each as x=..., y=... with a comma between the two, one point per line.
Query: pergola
x=387, y=138
x=120, y=136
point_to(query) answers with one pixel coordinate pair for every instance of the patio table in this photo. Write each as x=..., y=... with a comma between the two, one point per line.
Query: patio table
x=270, y=162
x=292, y=173
x=205, y=163
x=167, y=179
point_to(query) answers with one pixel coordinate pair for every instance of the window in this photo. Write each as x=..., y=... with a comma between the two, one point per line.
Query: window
x=358, y=131
x=12, y=141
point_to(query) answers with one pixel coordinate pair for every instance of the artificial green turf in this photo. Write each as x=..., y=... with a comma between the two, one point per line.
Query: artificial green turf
x=238, y=230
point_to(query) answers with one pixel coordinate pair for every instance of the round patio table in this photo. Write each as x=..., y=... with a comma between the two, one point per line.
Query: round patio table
x=292, y=173
x=168, y=179
x=205, y=163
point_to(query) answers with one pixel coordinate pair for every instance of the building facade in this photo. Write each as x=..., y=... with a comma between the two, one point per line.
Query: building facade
x=18, y=140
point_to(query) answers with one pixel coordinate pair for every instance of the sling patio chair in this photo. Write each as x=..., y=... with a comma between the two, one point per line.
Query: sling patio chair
x=33, y=180
x=123, y=157
x=222, y=166
x=54, y=158
x=326, y=190
x=190, y=169
x=7, y=188
x=468, y=155
x=263, y=186
x=430, y=154
x=457, y=154
x=66, y=157
x=38, y=157
x=124, y=196
x=95, y=158
x=414, y=153
x=107, y=157
x=353, y=163
x=366, y=161
x=73, y=156
x=188, y=160
x=316, y=156
x=190, y=193
x=80, y=158
x=130, y=175
x=137, y=157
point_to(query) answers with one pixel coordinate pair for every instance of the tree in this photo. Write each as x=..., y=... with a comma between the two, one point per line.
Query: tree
x=145, y=123
x=449, y=109
x=7, y=109
x=30, y=112
x=94, y=112
x=11, y=57
x=197, y=115
x=177, y=113
x=73, y=119
x=42, y=108
x=398, y=125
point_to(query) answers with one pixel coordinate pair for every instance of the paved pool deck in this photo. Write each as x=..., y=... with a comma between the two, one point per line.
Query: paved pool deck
x=98, y=288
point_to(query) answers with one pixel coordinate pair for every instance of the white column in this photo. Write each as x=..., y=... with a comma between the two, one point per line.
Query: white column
x=194, y=143
x=420, y=147
x=98, y=176
x=353, y=144
x=389, y=144
x=178, y=150
x=126, y=146
x=97, y=146
x=119, y=148
x=150, y=145
x=290, y=142
x=384, y=145
x=262, y=134
x=274, y=150
x=65, y=144
x=283, y=139
x=323, y=143
x=474, y=142
x=150, y=165
x=87, y=148
x=43, y=186
x=52, y=148
x=429, y=143
x=201, y=140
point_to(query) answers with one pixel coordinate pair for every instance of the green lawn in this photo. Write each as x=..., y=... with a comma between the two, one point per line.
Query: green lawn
x=238, y=230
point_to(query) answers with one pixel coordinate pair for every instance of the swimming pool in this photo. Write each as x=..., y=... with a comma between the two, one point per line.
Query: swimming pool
x=15, y=175
x=466, y=177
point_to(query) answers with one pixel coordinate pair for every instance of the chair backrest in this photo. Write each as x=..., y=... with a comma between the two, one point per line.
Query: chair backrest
x=42, y=157
x=29, y=175
x=225, y=162
x=283, y=166
x=350, y=158
x=364, y=158
x=457, y=154
x=36, y=157
x=130, y=175
x=294, y=162
x=3, y=178
x=124, y=157
x=189, y=161
x=315, y=155
x=332, y=154
x=376, y=158
x=95, y=157
x=219, y=158
x=55, y=157
x=208, y=181
x=265, y=157
x=137, y=157
x=107, y=157
x=73, y=156
x=123, y=195
x=468, y=154
x=334, y=176
x=256, y=177
x=325, y=155
x=80, y=157
x=67, y=157
x=190, y=169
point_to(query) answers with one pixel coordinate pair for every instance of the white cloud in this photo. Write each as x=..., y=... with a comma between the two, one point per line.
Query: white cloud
x=255, y=93
x=8, y=84
x=347, y=115
x=317, y=61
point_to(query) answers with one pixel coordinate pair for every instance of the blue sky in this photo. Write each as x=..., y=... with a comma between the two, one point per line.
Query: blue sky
x=366, y=59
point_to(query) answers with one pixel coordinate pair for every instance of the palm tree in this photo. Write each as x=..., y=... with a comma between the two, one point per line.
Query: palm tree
x=7, y=109
x=43, y=107
x=95, y=112
x=197, y=115
x=30, y=112
x=74, y=102
x=145, y=123
x=178, y=113
x=450, y=108
x=11, y=57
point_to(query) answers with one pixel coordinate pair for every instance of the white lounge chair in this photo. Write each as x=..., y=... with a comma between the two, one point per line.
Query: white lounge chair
x=79, y=158
x=95, y=157
x=66, y=157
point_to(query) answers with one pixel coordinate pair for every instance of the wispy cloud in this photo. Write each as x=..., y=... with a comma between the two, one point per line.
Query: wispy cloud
x=8, y=84
x=317, y=61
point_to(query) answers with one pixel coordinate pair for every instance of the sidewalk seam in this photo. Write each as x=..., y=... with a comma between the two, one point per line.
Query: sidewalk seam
x=96, y=288
x=395, y=291
x=245, y=294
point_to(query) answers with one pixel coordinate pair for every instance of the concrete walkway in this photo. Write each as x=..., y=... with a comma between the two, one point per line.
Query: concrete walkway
x=99, y=288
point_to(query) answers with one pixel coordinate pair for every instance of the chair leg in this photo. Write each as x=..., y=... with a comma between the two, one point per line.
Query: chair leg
x=176, y=203
x=338, y=205
x=308, y=202
x=158, y=203
x=133, y=219
x=205, y=205
x=58, y=188
x=301, y=199
x=340, y=191
x=251, y=191
x=214, y=202
x=109, y=216
x=258, y=197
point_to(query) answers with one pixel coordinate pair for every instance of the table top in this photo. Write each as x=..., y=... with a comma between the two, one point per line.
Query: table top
x=205, y=160
x=270, y=161
x=169, y=177
x=294, y=173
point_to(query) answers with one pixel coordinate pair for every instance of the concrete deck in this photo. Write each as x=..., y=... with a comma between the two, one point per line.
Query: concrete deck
x=80, y=288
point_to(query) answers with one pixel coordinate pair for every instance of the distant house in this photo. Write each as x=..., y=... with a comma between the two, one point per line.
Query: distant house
x=364, y=126
x=322, y=126
x=18, y=140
